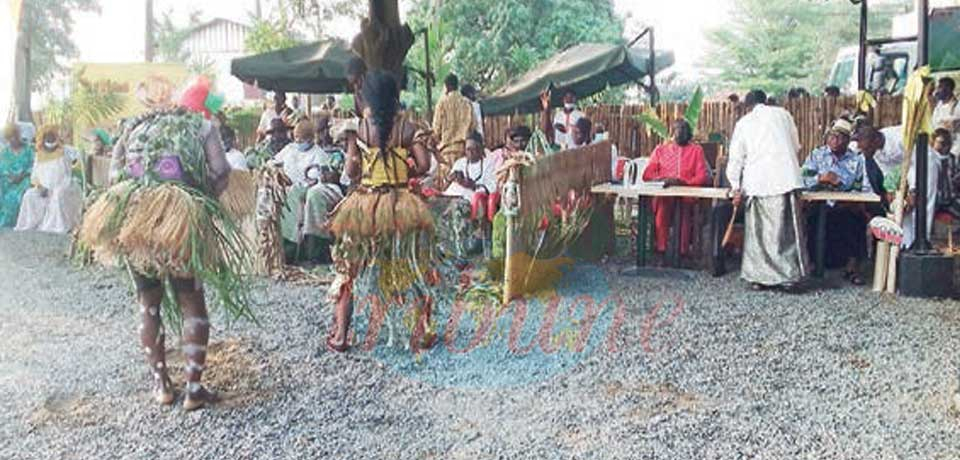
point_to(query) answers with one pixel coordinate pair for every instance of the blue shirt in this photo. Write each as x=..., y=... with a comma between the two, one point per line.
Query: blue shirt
x=849, y=168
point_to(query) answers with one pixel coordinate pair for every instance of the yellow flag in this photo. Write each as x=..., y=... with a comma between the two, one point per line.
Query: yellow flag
x=865, y=101
x=916, y=107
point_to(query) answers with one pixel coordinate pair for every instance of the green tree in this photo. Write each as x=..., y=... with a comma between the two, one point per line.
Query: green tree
x=779, y=44
x=313, y=16
x=270, y=34
x=49, y=24
x=171, y=36
x=488, y=42
x=43, y=41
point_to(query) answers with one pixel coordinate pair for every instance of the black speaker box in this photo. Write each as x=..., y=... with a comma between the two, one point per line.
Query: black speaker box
x=926, y=275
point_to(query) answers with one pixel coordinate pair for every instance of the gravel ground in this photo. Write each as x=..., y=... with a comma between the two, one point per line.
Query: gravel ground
x=715, y=372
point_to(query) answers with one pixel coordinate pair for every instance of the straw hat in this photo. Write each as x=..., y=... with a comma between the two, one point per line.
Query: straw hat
x=841, y=126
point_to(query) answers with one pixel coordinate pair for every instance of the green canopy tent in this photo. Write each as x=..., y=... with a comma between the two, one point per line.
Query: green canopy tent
x=586, y=69
x=316, y=68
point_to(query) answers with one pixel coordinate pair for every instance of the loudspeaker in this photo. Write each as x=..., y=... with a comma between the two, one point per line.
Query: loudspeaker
x=926, y=275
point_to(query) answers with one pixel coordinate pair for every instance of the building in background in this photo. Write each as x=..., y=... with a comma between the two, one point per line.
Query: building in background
x=211, y=46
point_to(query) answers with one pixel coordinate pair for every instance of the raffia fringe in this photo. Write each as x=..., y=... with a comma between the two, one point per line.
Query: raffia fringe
x=152, y=230
x=371, y=215
x=240, y=197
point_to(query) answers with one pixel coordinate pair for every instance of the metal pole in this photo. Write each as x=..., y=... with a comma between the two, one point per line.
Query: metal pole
x=429, y=73
x=921, y=243
x=862, y=57
x=923, y=32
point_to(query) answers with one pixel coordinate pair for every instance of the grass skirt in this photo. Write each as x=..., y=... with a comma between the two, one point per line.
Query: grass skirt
x=391, y=230
x=170, y=230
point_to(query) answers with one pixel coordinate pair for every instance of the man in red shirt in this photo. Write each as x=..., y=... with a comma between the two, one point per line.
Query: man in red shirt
x=678, y=162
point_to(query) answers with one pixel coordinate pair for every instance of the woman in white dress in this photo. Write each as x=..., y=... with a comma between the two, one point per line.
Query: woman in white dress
x=54, y=201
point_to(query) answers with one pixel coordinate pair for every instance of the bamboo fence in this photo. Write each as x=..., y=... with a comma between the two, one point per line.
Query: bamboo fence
x=717, y=119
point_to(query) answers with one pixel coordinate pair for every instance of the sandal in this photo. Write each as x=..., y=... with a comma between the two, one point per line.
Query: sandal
x=199, y=399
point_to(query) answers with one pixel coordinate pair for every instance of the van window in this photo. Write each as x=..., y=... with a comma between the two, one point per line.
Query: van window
x=842, y=73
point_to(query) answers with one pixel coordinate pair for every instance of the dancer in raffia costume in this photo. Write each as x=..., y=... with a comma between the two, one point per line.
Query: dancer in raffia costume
x=163, y=220
x=382, y=226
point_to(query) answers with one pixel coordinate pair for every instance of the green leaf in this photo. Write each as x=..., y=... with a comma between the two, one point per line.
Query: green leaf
x=694, y=107
x=653, y=123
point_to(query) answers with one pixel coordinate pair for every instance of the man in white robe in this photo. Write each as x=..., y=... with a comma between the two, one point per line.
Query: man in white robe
x=765, y=175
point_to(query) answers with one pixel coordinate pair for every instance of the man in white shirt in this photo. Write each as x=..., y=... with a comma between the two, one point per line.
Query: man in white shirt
x=947, y=112
x=310, y=199
x=565, y=120
x=764, y=173
x=472, y=179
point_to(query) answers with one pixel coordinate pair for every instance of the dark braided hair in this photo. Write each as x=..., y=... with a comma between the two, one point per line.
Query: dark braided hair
x=382, y=96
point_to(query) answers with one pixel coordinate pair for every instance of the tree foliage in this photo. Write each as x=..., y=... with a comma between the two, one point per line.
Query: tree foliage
x=779, y=44
x=488, y=42
x=50, y=24
x=171, y=36
x=270, y=34
x=313, y=16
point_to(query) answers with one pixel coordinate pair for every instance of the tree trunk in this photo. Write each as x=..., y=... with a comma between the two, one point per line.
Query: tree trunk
x=21, y=75
x=383, y=41
x=149, y=47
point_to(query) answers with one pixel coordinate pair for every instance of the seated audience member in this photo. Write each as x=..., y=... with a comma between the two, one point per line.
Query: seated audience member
x=835, y=167
x=517, y=139
x=472, y=179
x=235, y=157
x=948, y=188
x=310, y=198
x=54, y=201
x=16, y=164
x=871, y=141
x=940, y=145
x=677, y=162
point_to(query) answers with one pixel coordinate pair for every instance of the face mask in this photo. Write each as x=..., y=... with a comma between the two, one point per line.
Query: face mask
x=50, y=145
x=600, y=137
x=304, y=146
x=569, y=106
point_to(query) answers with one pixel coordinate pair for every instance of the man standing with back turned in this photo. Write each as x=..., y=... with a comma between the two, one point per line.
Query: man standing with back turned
x=765, y=176
x=453, y=121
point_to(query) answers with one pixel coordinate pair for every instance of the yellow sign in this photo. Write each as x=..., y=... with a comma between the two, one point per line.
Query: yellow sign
x=124, y=78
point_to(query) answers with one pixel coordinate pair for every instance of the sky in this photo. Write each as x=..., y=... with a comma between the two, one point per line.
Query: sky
x=116, y=35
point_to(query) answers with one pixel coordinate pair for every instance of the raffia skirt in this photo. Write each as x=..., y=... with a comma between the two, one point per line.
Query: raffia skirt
x=389, y=229
x=170, y=229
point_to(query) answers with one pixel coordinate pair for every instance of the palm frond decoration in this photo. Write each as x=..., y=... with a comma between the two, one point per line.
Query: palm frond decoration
x=653, y=123
x=694, y=107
